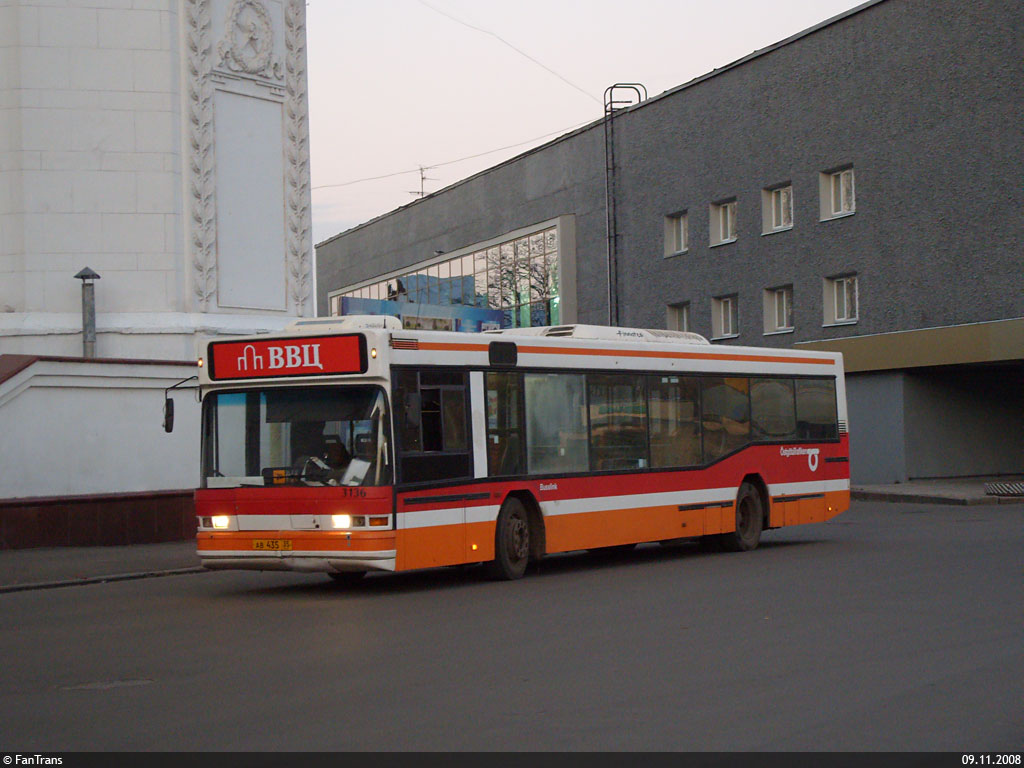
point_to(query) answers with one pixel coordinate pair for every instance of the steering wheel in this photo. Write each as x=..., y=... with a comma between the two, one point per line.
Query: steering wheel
x=312, y=467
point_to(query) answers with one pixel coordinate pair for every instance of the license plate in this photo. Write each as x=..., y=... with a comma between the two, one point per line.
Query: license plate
x=276, y=545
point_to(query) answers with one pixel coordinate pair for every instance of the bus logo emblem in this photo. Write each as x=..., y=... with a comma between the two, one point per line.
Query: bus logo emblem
x=243, y=361
x=810, y=453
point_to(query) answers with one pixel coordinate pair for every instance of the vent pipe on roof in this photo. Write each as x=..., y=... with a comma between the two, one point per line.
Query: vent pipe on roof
x=88, y=277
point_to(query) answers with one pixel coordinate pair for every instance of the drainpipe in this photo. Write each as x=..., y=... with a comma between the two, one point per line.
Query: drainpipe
x=87, y=276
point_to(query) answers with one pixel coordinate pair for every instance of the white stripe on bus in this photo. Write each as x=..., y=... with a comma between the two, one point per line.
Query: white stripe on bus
x=488, y=513
x=813, y=486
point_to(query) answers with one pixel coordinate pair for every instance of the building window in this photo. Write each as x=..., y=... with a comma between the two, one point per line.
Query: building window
x=778, y=309
x=518, y=277
x=837, y=193
x=723, y=222
x=677, y=234
x=843, y=200
x=776, y=209
x=840, y=300
x=678, y=317
x=725, y=317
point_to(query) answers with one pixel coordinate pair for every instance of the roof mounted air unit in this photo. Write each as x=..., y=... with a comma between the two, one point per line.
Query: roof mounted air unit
x=609, y=333
x=349, y=322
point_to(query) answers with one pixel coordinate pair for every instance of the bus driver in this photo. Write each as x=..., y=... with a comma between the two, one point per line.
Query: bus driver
x=319, y=457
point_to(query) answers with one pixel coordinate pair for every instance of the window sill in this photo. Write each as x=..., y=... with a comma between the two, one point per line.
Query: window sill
x=776, y=231
x=836, y=323
x=726, y=337
x=835, y=216
x=779, y=331
x=723, y=242
x=677, y=253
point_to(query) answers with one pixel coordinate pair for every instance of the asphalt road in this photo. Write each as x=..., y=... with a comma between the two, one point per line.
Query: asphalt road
x=892, y=627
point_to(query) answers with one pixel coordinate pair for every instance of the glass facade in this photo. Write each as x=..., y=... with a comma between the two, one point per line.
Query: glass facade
x=518, y=276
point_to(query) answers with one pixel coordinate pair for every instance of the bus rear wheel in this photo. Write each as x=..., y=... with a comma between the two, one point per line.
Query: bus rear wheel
x=511, y=542
x=749, y=521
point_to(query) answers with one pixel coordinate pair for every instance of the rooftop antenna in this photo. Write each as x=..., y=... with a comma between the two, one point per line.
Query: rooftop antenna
x=423, y=178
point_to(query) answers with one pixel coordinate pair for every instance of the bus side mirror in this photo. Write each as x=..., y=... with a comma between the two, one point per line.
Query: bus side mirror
x=169, y=404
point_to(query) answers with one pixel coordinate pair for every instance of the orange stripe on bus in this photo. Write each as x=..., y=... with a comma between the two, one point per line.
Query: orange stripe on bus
x=439, y=545
x=836, y=502
x=442, y=545
x=590, y=530
x=454, y=347
x=643, y=353
x=812, y=510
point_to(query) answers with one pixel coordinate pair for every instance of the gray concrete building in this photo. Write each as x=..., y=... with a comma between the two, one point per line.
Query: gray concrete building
x=856, y=187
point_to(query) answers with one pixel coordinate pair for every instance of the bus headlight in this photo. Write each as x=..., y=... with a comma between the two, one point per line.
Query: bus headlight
x=341, y=521
x=221, y=521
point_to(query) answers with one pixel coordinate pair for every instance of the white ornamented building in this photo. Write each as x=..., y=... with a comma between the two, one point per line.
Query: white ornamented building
x=164, y=144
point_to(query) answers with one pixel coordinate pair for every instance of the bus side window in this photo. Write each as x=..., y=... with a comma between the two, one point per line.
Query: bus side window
x=674, y=405
x=618, y=421
x=504, y=424
x=816, y=417
x=772, y=409
x=556, y=423
x=432, y=424
x=725, y=413
x=407, y=404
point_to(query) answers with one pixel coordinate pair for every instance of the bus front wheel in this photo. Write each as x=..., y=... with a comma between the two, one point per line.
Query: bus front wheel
x=749, y=521
x=511, y=542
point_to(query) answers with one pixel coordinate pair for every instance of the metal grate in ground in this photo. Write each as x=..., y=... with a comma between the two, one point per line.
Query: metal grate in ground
x=1004, y=489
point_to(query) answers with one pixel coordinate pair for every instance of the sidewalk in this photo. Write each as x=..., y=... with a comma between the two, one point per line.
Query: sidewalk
x=39, y=568
x=966, y=490
x=24, y=569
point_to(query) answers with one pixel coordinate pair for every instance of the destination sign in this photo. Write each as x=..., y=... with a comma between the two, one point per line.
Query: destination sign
x=300, y=356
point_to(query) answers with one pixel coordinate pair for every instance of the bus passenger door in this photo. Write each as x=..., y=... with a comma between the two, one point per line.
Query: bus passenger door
x=435, y=458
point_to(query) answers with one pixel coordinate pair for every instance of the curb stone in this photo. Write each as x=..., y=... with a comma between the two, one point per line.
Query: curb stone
x=98, y=579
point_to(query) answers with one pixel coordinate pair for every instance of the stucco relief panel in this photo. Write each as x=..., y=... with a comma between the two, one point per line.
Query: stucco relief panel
x=248, y=45
x=254, y=49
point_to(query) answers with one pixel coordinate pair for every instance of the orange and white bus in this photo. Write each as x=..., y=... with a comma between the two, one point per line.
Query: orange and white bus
x=351, y=445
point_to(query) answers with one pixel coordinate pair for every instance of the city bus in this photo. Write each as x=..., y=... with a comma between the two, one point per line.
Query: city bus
x=351, y=445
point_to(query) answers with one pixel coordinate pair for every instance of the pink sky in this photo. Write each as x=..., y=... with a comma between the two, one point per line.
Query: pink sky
x=398, y=84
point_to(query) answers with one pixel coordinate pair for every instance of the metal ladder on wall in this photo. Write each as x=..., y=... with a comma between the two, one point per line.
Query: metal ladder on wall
x=616, y=98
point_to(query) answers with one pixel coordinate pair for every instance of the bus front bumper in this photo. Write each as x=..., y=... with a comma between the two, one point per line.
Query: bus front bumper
x=291, y=551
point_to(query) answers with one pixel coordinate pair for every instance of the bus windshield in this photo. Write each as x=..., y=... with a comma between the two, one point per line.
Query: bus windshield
x=308, y=436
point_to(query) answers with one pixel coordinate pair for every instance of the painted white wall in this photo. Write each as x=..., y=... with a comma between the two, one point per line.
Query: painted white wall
x=135, y=335
x=92, y=133
x=96, y=427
